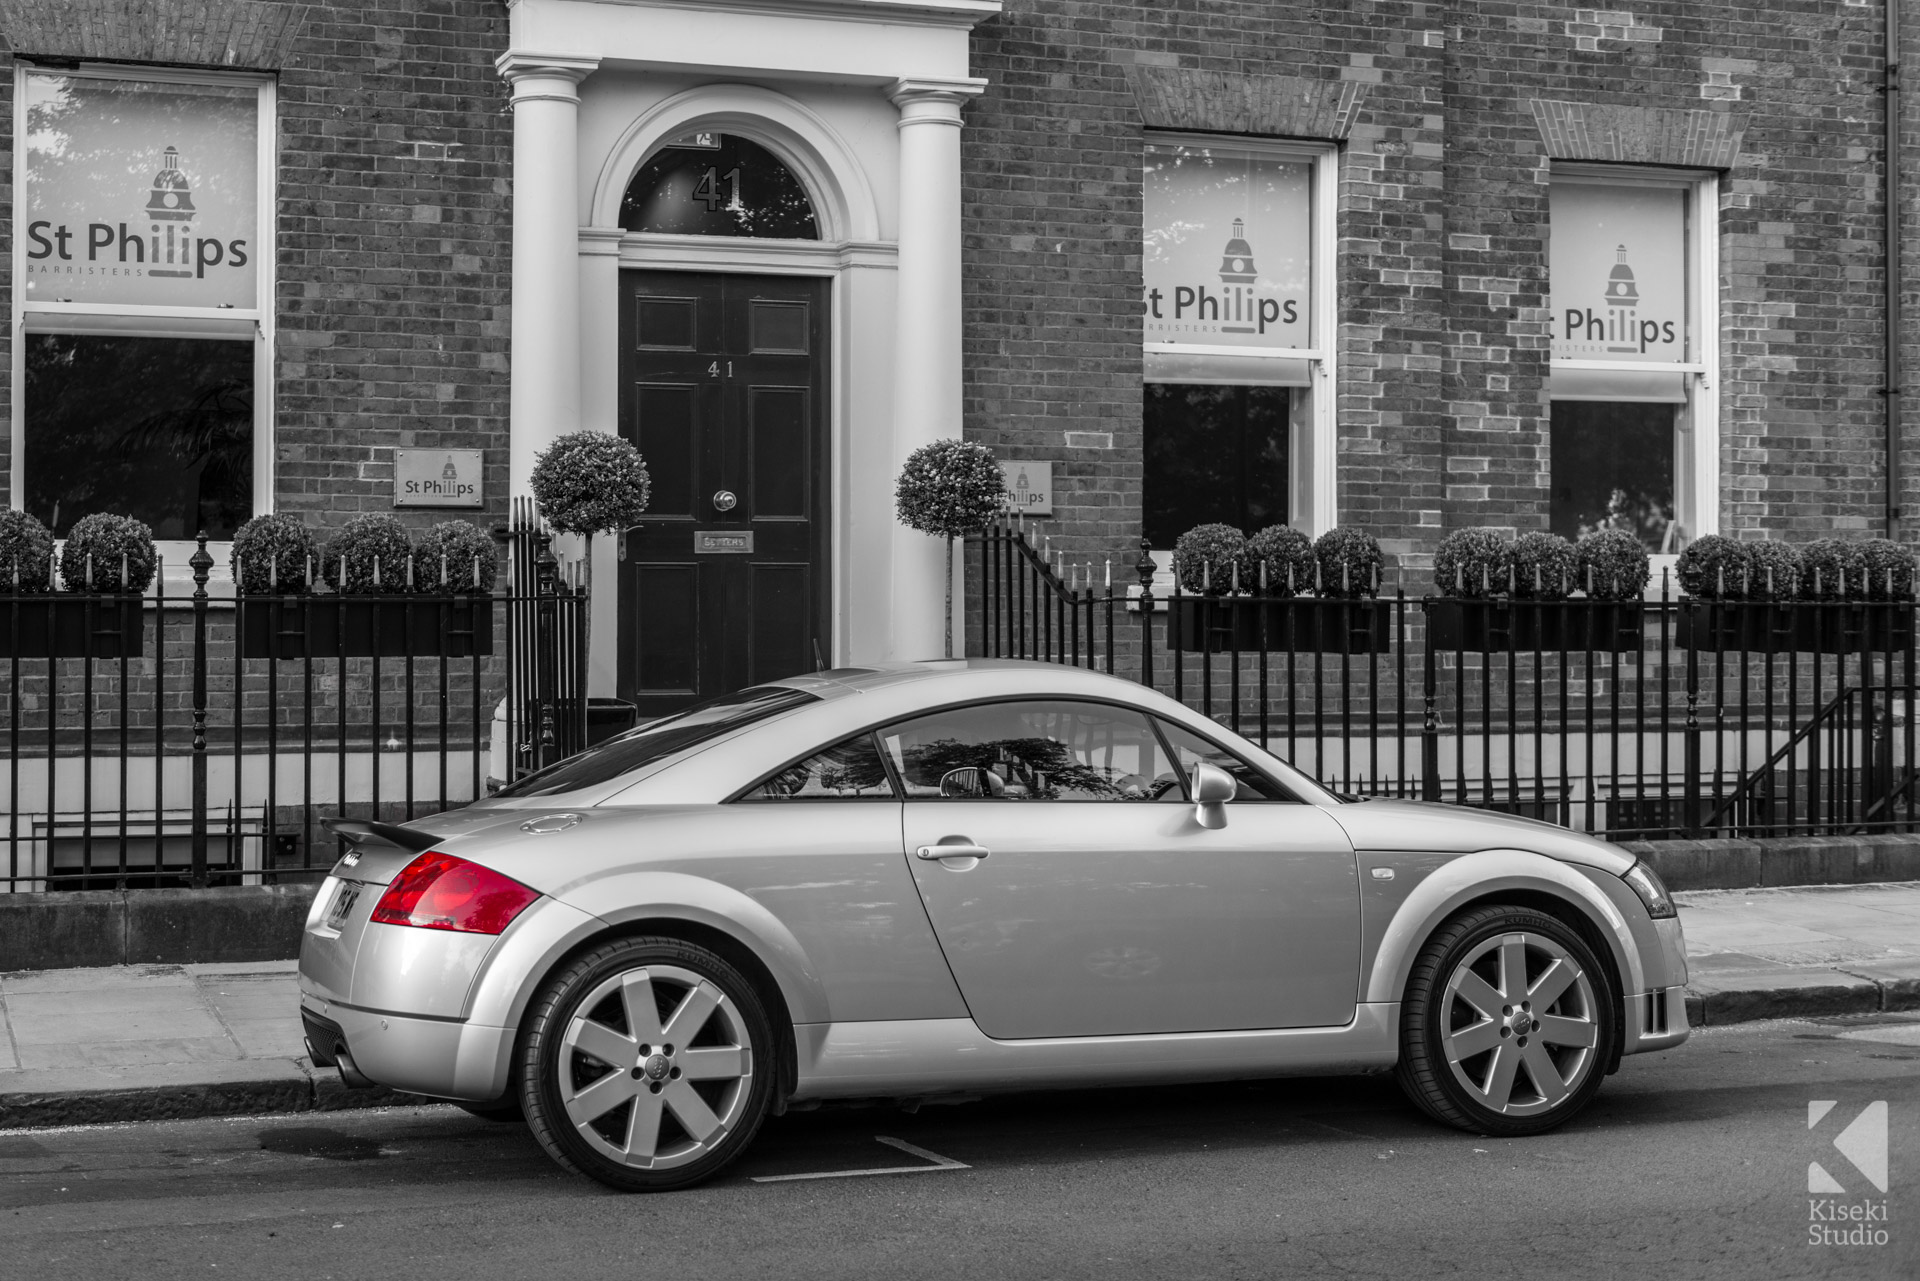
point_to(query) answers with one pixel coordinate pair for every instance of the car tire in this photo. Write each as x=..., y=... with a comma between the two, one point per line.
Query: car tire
x=647, y=1063
x=1507, y=1023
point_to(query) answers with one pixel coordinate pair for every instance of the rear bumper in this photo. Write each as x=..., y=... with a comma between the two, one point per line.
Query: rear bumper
x=444, y=1058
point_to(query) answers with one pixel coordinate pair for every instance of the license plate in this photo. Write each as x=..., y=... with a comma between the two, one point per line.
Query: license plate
x=342, y=905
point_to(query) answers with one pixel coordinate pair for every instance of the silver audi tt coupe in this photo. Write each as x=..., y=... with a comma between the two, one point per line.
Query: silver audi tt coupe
x=925, y=879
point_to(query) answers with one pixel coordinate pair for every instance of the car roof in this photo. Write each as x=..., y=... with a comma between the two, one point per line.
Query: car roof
x=845, y=699
x=1020, y=674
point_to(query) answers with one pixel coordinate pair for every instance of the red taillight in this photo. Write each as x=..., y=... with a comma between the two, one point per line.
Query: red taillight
x=440, y=892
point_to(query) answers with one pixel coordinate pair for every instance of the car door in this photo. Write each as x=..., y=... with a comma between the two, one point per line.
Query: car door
x=1081, y=897
x=818, y=844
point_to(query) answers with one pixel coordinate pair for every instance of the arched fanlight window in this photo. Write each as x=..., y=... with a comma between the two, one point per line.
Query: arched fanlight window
x=718, y=184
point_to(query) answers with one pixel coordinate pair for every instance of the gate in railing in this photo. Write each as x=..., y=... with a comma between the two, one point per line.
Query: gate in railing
x=196, y=737
x=1658, y=718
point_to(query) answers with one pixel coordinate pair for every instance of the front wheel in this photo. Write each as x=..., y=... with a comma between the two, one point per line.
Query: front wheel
x=1507, y=1023
x=647, y=1065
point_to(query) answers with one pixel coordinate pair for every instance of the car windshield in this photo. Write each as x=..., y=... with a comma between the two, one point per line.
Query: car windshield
x=626, y=752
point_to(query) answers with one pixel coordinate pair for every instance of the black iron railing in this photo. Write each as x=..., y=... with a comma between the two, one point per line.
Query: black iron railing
x=188, y=738
x=1665, y=717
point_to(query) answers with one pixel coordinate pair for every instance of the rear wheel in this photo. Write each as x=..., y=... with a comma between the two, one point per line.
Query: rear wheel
x=647, y=1065
x=1507, y=1023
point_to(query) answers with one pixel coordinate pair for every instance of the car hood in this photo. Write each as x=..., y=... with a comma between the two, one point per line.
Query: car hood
x=1454, y=829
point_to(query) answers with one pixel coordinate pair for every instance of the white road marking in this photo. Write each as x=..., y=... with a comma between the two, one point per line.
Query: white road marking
x=939, y=1163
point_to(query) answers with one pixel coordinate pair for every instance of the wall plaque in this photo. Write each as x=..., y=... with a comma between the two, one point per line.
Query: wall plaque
x=1029, y=487
x=436, y=478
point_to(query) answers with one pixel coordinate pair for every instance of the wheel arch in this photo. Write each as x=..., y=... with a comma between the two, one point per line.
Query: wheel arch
x=693, y=910
x=742, y=957
x=1518, y=877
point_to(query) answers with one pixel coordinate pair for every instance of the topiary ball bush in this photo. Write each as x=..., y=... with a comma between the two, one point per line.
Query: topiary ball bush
x=1612, y=564
x=1349, y=562
x=1830, y=569
x=274, y=553
x=949, y=488
x=1472, y=563
x=1544, y=567
x=1886, y=570
x=1773, y=572
x=1285, y=556
x=368, y=555
x=591, y=482
x=106, y=553
x=1206, y=557
x=26, y=554
x=455, y=556
x=1714, y=568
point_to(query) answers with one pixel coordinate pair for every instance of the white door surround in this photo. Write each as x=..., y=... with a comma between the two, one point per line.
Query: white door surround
x=861, y=100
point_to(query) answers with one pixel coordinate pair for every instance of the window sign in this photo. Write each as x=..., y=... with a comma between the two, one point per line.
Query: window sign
x=1619, y=273
x=140, y=192
x=1227, y=258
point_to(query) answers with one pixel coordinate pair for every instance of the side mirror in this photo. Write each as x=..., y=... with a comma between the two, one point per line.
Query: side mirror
x=1213, y=787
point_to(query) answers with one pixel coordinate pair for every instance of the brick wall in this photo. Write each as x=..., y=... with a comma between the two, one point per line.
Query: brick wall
x=1443, y=263
x=392, y=271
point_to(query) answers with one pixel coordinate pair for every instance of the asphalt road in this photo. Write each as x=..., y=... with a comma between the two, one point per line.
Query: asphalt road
x=1690, y=1164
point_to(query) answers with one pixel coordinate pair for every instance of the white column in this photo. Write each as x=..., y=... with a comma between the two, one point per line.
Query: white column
x=545, y=398
x=599, y=264
x=926, y=372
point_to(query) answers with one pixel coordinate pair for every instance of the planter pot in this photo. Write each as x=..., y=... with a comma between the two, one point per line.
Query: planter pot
x=1790, y=627
x=1301, y=624
x=1607, y=627
x=1308, y=625
x=1206, y=624
x=284, y=627
x=605, y=718
x=609, y=716
x=288, y=626
x=1497, y=626
x=72, y=627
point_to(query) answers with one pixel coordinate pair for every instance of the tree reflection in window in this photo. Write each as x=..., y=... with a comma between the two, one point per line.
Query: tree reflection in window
x=717, y=184
x=160, y=429
x=845, y=773
x=850, y=771
x=1033, y=751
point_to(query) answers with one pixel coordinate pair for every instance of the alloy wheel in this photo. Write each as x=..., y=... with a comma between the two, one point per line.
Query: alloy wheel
x=656, y=1067
x=1519, y=1027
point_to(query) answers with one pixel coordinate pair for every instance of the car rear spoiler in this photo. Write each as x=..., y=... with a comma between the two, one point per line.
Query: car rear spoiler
x=358, y=832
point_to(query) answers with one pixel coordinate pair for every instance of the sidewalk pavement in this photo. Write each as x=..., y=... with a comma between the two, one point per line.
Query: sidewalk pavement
x=152, y=1042
x=1804, y=950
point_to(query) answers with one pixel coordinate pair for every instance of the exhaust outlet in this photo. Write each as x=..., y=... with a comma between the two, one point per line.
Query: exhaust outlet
x=350, y=1075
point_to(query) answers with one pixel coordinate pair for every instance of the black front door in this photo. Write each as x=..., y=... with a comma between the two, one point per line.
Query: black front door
x=723, y=389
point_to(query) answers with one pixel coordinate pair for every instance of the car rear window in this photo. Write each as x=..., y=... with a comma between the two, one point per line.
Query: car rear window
x=604, y=762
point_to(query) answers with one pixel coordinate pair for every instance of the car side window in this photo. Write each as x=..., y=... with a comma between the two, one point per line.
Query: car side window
x=849, y=771
x=1032, y=751
x=1190, y=749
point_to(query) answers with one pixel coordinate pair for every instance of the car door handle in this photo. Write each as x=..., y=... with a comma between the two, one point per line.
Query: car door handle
x=953, y=850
